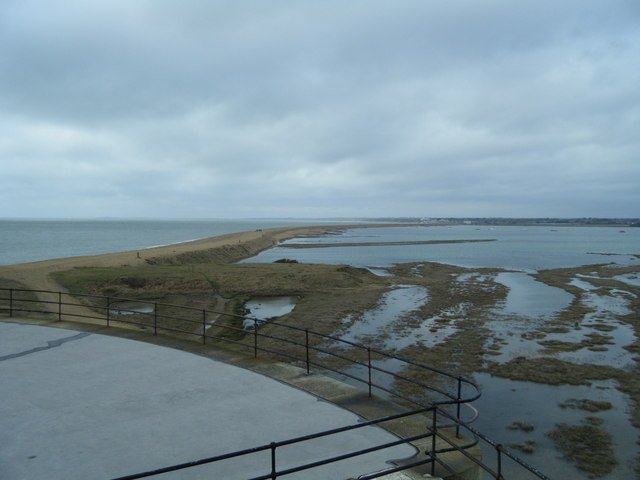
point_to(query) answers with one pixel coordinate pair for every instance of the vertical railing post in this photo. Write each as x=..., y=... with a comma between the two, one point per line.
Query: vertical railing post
x=204, y=326
x=306, y=346
x=11, y=302
x=108, y=310
x=458, y=407
x=155, y=318
x=434, y=429
x=499, y=450
x=273, y=460
x=369, y=368
x=255, y=338
x=59, y=306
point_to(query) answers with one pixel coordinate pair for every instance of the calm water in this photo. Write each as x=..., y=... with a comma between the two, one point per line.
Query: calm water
x=505, y=401
x=32, y=240
x=529, y=304
x=516, y=247
x=521, y=248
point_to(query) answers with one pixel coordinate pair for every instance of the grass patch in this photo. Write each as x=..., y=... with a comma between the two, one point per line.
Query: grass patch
x=551, y=371
x=593, y=342
x=588, y=447
x=586, y=404
x=23, y=301
x=526, y=447
x=525, y=427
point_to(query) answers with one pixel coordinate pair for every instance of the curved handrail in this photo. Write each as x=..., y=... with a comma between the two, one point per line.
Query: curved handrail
x=448, y=399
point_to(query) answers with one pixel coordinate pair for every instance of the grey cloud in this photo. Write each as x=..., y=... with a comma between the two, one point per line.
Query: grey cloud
x=390, y=107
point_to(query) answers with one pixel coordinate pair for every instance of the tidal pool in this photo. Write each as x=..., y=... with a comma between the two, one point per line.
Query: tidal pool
x=582, y=285
x=601, y=335
x=265, y=308
x=630, y=279
x=529, y=304
x=528, y=297
x=475, y=277
x=430, y=332
x=380, y=271
x=616, y=303
x=375, y=324
x=614, y=355
x=601, y=321
x=130, y=308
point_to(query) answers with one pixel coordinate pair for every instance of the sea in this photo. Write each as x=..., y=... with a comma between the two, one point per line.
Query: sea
x=525, y=248
x=23, y=240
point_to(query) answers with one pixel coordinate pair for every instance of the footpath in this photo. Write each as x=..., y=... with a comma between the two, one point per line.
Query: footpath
x=83, y=401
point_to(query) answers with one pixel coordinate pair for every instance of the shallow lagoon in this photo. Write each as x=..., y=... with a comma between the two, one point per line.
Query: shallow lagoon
x=516, y=247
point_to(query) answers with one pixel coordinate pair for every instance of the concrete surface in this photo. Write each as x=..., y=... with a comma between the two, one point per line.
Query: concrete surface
x=78, y=405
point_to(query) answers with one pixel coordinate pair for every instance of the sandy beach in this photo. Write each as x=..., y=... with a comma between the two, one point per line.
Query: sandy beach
x=37, y=275
x=227, y=248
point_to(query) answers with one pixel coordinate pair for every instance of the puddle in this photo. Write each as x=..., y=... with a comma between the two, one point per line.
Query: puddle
x=393, y=304
x=506, y=401
x=602, y=322
x=511, y=336
x=265, y=308
x=614, y=355
x=431, y=331
x=593, y=275
x=415, y=271
x=607, y=305
x=429, y=334
x=630, y=279
x=582, y=285
x=380, y=272
x=130, y=308
x=474, y=277
x=529, y=298
x=513, y=341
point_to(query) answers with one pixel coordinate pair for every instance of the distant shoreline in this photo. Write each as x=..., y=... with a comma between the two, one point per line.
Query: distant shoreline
x=226, y=248
x=520, y=221
x=381, y=244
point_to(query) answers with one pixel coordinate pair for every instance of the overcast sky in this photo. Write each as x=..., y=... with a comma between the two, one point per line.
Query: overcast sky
x=325, y=108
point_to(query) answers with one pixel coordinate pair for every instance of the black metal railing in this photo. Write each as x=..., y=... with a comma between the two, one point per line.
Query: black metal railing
x=273, y=446
x=441, y=398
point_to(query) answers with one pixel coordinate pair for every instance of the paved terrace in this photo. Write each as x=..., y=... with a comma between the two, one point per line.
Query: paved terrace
x=78, y=404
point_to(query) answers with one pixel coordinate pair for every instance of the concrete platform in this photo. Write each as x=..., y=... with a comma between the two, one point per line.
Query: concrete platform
x=78, y=405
